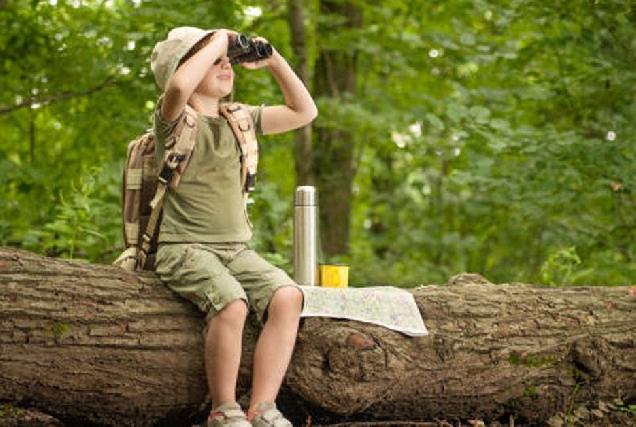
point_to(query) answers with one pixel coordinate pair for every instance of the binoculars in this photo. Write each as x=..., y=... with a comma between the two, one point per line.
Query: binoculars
x=242, y=49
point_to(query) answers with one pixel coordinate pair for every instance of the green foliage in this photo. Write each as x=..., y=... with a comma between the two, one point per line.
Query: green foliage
x=83, y=222
x=272, y=216
x=511, y=146
x=630, y=409
x=563, y=267
x=492, y=137
x=7, y=411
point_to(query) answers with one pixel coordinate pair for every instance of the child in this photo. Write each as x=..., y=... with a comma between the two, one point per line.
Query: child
x=202, y=253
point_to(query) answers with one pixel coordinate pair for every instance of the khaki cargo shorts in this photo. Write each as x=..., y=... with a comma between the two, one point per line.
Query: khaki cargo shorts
x=212, y=275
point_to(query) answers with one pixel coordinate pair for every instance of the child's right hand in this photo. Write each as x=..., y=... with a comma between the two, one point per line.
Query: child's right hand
x=221, y=34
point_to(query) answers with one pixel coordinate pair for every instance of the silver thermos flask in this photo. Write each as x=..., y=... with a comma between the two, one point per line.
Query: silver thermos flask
x=305, y=236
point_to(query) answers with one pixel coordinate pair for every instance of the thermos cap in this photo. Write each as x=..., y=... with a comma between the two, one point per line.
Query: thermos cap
x=305, y=196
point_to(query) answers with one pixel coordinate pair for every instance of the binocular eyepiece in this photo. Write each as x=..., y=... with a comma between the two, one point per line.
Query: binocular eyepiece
x=242, y=49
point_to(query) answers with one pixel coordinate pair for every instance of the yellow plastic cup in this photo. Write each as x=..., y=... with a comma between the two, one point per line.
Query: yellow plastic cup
x=334, y=276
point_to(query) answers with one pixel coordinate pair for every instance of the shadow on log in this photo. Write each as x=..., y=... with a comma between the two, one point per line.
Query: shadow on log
x=92, y=344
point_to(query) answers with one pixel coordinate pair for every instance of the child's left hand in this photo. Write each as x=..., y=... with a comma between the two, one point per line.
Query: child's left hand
x=263, y=62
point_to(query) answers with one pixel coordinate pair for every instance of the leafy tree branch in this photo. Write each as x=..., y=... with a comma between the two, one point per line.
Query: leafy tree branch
x=63, y=96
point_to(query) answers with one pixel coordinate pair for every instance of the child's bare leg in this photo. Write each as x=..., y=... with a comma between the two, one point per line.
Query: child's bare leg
x=275, y=345
x=223, y=346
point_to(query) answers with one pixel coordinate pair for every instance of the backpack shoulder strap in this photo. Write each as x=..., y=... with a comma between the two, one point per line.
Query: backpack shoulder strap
x=240, y=120
x=176, y=158
x=181, y=144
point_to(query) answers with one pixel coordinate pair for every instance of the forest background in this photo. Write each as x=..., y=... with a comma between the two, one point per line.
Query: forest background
x=466, y=135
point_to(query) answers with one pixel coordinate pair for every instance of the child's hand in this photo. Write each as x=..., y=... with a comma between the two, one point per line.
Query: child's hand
x=223, y=34
x=263, y=62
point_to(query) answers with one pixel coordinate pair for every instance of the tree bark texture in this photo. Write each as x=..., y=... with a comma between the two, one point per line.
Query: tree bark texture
x=91, y=342
x=304, y=165
x=335, y=79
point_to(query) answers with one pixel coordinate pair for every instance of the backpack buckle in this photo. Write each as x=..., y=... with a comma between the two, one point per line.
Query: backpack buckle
x=167, y=170
x=250, y=182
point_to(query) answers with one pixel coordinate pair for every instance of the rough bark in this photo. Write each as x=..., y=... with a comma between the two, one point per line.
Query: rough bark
x=303, y=156
x=93, y=343
x=334, y=166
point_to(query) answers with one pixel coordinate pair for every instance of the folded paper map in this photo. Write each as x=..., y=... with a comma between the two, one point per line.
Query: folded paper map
x=387, y=306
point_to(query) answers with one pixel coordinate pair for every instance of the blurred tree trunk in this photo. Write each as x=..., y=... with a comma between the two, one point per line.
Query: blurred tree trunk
x=94, y=344
x=335, y=78
x=302, y=139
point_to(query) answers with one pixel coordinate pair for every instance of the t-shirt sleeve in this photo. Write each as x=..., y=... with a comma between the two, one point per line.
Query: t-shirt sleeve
x=163, y=130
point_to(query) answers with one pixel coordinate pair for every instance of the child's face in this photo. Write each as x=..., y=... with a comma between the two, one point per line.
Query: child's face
x=220, y=79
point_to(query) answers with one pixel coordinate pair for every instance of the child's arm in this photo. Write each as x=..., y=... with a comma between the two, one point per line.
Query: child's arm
x=299, y=109
x=189, y=75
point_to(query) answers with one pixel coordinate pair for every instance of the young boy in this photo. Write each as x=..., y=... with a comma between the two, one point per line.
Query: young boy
x=202, y=253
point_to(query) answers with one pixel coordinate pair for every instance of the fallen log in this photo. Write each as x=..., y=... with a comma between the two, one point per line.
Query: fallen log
x=93, y=344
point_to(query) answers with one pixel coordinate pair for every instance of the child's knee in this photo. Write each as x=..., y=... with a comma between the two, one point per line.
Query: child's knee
x=288, y=298
x=234, y=309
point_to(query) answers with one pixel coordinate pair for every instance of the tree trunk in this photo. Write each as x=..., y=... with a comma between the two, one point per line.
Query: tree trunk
x=302, y=137
x=93, y=343
x=335, y=79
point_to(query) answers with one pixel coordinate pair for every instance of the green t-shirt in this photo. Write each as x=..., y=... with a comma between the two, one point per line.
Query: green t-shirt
x=208, y=206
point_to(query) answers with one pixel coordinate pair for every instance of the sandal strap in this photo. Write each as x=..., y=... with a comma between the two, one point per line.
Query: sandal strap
x=229, y=415
x=271, y=416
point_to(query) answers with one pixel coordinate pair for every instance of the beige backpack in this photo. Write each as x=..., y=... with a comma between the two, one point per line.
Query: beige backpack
x=144, y=188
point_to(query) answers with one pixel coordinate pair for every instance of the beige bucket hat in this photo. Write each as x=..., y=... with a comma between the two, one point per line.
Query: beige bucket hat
x=167, y=53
